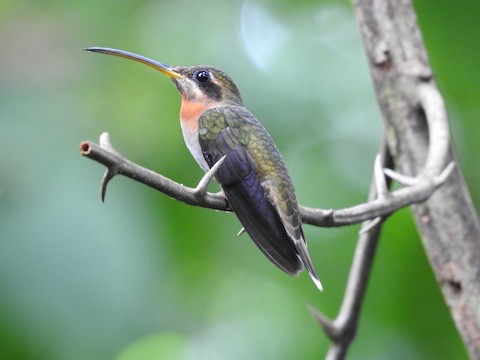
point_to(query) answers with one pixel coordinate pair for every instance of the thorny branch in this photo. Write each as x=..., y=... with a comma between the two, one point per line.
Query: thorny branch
x=343, y=328
x=117, y=164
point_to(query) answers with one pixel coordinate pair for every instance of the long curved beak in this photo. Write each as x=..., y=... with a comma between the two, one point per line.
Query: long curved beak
x=164, y=69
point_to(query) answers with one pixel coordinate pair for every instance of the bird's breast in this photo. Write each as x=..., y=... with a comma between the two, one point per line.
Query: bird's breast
x=190, y=113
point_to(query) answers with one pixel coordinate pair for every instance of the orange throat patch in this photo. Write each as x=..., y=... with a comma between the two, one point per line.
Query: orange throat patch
x=190, y=112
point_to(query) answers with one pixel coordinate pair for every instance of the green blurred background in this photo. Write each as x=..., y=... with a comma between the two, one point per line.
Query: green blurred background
x=145, y=277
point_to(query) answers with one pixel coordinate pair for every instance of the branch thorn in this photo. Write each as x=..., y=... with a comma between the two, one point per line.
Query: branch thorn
x=201, y=188
x=327, y=325
x=107, y=176
x=440, y=179
x=369, y=225
x=404, y=180
x=105, y=143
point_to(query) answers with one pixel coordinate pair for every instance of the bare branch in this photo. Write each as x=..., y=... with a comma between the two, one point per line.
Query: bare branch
x=379, y=207
x=343, y=328
x=106, y=154
x=120, y=165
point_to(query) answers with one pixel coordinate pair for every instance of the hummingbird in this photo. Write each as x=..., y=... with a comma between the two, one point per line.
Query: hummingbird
x=253, y=176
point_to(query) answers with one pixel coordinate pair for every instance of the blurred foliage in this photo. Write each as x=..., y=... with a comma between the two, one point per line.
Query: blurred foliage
x=145, y=277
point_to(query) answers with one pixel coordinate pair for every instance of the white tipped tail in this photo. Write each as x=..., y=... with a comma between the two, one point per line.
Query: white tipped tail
x=316, y=281
x=302, y=252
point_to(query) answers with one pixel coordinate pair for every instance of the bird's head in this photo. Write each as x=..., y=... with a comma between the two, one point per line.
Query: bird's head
x=203, y=84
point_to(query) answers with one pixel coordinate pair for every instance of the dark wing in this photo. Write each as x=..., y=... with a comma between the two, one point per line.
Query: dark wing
x=227, y=131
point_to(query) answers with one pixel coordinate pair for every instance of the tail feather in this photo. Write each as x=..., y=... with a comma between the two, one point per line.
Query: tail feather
x=301, y=248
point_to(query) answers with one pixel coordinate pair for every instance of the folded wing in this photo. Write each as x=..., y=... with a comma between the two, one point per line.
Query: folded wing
x=225, y=131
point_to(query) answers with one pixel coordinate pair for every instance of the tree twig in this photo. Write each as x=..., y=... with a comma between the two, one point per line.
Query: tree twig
x=117, y=164
x=343, y=328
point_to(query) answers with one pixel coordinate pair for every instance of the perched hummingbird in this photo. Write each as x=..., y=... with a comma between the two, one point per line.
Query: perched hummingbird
x=253, y=176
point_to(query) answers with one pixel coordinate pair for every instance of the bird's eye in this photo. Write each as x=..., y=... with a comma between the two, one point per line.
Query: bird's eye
x=202, y=75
